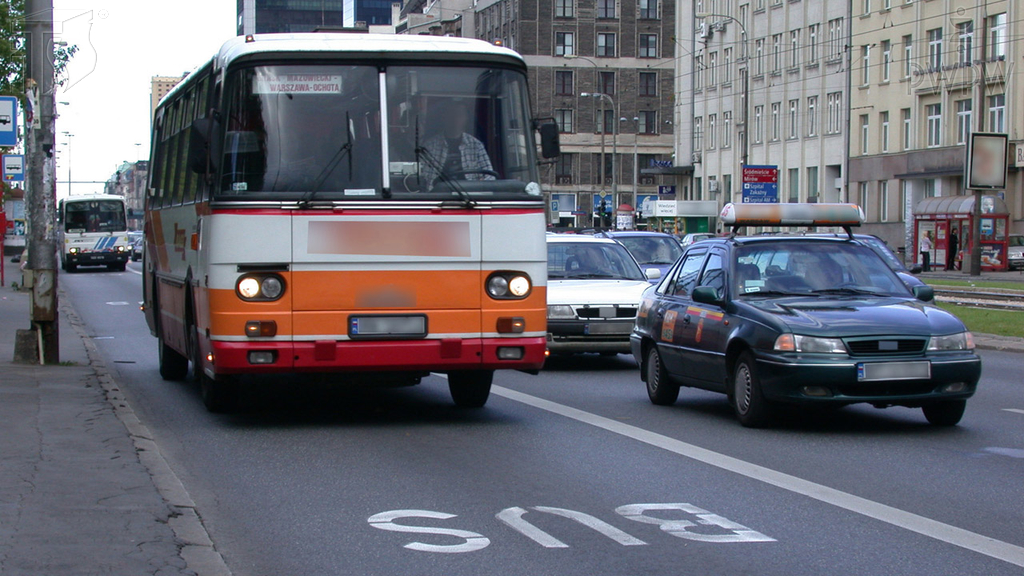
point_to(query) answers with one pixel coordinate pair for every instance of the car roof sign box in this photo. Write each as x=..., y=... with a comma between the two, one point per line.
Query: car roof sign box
x=740, y=215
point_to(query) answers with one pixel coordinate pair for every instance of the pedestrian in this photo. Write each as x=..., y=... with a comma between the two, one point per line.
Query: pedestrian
x=954, y=245
x=925, y=248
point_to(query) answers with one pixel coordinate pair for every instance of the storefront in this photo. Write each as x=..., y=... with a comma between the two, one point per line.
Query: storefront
x=946, y=220
x=681, y=217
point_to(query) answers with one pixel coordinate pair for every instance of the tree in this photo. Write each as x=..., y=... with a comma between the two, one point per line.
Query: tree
x=12, y=47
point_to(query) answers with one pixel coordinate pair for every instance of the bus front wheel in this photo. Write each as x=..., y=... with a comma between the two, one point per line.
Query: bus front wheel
x=173, y=366
x=470, y=388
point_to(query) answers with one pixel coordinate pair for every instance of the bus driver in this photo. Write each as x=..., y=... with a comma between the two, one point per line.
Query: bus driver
x=454, y=153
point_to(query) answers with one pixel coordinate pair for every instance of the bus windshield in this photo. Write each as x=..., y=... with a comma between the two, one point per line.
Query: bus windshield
x=299, y=131
x=94, y=216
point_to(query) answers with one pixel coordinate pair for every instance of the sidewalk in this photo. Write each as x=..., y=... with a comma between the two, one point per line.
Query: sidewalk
x=83, y=487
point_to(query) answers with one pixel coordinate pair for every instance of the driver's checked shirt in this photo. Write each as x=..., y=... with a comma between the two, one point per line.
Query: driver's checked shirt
x=473, y=155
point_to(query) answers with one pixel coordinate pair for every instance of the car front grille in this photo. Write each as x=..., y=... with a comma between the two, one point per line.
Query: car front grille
x=886, y=347
x=606, y=312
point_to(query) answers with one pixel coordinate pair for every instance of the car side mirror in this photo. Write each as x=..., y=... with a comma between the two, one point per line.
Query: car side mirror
x=706, y=295
x=924, y=293
x=916, y=270
x=549, y=139
x=652, y=273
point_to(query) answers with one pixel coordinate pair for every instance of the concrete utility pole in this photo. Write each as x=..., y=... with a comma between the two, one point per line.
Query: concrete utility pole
x=42, y=186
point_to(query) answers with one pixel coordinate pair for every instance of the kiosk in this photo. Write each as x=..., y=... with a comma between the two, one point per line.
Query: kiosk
x=943, y=215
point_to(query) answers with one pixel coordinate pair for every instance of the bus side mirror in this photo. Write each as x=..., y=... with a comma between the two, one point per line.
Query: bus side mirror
x=549, y=146
x=203, y=148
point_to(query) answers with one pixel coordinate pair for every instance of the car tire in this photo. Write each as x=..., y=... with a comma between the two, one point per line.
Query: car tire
x=660, y=388
x=752, y=409
x=470, y=388
x=944, y=412
x=173, y=366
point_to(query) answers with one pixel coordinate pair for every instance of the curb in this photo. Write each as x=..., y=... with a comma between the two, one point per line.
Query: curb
x=996, y=342
x=195, y=546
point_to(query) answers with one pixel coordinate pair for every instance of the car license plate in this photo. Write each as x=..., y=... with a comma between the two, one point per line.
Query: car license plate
x=609, y=328
x=873, y=371
x=387, y=326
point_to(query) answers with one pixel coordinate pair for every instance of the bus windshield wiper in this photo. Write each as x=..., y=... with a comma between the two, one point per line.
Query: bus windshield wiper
x=345, y=150
x=422, y=152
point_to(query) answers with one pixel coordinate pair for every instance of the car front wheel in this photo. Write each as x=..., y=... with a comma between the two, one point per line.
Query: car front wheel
x=752, y=409
x=945, y=412
x=660, y=387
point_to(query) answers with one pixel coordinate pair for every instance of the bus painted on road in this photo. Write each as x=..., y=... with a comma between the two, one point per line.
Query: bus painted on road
x=93, y=231
x=353, y=203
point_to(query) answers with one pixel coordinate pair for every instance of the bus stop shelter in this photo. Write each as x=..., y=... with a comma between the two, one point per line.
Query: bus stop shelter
x=945, y=216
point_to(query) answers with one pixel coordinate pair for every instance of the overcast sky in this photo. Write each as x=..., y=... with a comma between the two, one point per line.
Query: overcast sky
x=122, y=45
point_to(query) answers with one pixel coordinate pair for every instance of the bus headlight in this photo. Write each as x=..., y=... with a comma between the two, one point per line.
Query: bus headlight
x=508, y=285
x=260, y=287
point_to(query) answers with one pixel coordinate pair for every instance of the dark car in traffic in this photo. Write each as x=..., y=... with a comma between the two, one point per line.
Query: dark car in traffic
x=649, y=249
x=800, y=320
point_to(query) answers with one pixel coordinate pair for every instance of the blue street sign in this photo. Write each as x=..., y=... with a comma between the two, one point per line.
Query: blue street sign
x=666, y=190
x=14, y=168
x=8, y=121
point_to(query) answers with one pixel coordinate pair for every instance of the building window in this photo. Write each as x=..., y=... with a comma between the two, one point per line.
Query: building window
x=564, y=8
x=727, y=65
x=812, y=43
x=758, y=123
x=793, y=106
x=606, y=8
x=565, y=44
x=698, y=72
x=997, y=36
x=867, y=7
x=812, y=184
x=933, y=113
x=712, y=133
x=935, y=48
x=648, y=9
x=812, y=115
x=648, y=46
x=883, y=200
x=563, y=169
x=904, y=210
x=563, y=83
x=908, y=56
x=563, y=118
x=606, y=45
x=835, y=38
x=605, y=120
x=963, y=120
x=865, y=56
x=997, y=113
x=862, y=197
x=835, y=112
x=794, y=185
x=965, y=43
x=712, y=69
x=776, y=120
x=726, y=129
x=905, y=114
x=864, y=129
x=883, y=123
x=759, y=56
x=776, y=52
x=606, y=83
x=886, y=59
x=794, y=48
x=648, y=122
x=698, y=127
x=648, y=83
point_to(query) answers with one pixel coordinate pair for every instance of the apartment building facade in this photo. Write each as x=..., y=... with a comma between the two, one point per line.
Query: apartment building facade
x=926, y=74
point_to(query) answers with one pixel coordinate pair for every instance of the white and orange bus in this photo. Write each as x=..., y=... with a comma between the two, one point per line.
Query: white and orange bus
x=348, y=203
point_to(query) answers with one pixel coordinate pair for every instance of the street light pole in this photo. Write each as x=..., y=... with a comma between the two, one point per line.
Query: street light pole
x=69, y=135
x=615, y=145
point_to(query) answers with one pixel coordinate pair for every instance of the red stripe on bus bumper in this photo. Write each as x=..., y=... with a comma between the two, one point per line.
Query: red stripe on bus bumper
x=416, y=355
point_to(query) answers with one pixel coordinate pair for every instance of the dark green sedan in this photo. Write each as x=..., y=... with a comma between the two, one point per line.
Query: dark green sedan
x=772, y=320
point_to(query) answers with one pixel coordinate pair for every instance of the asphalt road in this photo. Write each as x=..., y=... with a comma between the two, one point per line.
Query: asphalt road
x=572, y=472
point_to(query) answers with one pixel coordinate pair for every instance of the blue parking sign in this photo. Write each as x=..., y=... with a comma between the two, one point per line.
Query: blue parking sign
x=8, y=121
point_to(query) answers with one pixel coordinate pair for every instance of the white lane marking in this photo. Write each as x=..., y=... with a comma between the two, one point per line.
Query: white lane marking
x=117, y=303
x=134, y=271
x=1015, y=410
x=473, y=541
x=925, y=526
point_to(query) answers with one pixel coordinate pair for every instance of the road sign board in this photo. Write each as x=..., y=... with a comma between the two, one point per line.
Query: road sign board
x=8, y=121
x=666, y=190
x=761, y=184
x=14, y=168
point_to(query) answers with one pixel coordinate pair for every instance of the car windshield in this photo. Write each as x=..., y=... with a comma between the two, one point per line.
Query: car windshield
x=813, y=268
x=599, y=260
x=652, y=250
x=321, y=131
x=882, y=249
x=1016, y=240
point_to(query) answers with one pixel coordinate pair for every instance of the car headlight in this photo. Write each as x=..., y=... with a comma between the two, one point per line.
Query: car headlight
x=561, y=312
x=809, y=344
x=260, y=287
x=961, y=341
x=508, y=285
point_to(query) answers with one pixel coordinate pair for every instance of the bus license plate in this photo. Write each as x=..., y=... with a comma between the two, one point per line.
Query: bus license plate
x=873, y=371
x=387, y=326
